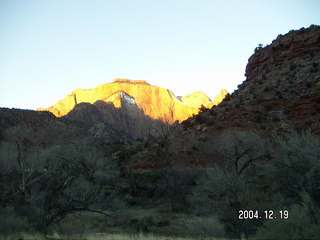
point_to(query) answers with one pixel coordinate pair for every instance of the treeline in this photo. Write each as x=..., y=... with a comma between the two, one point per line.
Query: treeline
x=72, y=180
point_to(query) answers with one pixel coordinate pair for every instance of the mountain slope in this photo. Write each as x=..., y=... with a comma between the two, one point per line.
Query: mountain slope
x=280, y=93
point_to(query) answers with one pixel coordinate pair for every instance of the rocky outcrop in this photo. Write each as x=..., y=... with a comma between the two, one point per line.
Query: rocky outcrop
x=221, y=95
x=155, y=102
x=12, y=117
x=280, y=93
x=285, y=48
x=197, y=99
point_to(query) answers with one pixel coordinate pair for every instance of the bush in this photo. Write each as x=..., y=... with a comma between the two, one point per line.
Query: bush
x=259, y=118
x=204, y=227
x=299, y=225
x=227, y=97
x=293, y=66
x=11, y=222
x=223, y=193
x=308, y=84
x=260, y=46
x=289, y=182
x=296, y=167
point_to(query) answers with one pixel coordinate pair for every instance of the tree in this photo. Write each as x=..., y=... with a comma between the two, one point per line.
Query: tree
x=260, y=46
x=242, y=149
x=223, y=193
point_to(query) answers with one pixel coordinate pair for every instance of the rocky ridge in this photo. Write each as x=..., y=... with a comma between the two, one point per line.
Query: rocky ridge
x=280, y=93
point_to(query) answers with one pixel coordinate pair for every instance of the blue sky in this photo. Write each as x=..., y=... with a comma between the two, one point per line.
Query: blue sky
x=50, y=47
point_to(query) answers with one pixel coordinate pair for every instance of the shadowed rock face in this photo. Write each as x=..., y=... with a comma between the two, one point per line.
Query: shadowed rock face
x=155, y=102
x=285, y=48
x=129, y=118
x=280, y=93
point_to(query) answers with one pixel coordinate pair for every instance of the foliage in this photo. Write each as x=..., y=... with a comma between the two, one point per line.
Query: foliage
x=260, y=46
x=292, y=175
x=78, y=185
x=224, y=193
x=302, y=224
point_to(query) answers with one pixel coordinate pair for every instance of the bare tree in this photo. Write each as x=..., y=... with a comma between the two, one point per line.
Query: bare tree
x=242, y=149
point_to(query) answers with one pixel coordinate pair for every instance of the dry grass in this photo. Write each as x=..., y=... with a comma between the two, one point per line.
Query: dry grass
x=97, y=236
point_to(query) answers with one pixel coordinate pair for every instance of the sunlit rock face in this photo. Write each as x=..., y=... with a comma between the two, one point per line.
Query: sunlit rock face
x=155, y=102
x=197, y=99
x=219, y=98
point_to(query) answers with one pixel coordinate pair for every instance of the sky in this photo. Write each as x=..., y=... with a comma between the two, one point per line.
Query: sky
x=48, y=48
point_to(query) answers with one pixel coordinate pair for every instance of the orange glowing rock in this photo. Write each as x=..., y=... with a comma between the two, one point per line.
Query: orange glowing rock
x=156, y=102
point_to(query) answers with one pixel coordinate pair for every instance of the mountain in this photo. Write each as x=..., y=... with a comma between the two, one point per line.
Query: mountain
x=127, y=118
x=280, y=93
x=155, y=102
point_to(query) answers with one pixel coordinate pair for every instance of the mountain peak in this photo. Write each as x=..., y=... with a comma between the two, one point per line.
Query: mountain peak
x=128, y=81
x=196, y=99
x=155, y=102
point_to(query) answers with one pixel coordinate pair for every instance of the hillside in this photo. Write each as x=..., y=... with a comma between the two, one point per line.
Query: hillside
x=280, y=93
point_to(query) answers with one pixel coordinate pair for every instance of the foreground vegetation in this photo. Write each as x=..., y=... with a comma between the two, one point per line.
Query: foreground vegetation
x=99, y=237
x=71, y=180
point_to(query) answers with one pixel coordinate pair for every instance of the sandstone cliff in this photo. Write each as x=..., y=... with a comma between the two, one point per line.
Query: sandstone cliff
x=155, y=102
x=197, y=99
x=219, y=98
x=129, y=118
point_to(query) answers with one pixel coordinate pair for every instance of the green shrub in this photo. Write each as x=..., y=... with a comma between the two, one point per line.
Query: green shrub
x=223, y=194
x=299, y=225
x=11, y=222
x=204, y=227
x=293, y=66
x=260, y=46
x=308, y=84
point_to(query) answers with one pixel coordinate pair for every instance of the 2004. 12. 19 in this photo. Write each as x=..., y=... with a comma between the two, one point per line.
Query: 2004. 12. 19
x=266, y=214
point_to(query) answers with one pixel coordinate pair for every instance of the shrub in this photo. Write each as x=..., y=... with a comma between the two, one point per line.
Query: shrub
x=315, y=64
x=279, y=94
x=11, y=222
x=279, y=36
x=264, y=77
x=223, y=193
x=297, y=154
x=204, y=227
x=308, y=84
x=299, y=225
x=251, y=89
x=202, y=109
x=259, y=118
x=276, y=118
x=286, y=111
x=227, y=97
x=292, y=66
x=260, y=46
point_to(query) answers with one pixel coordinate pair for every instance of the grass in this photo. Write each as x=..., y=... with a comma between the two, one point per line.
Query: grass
x=98, y=236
